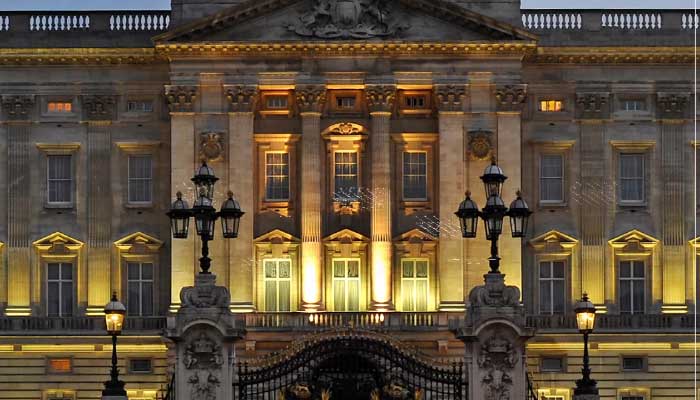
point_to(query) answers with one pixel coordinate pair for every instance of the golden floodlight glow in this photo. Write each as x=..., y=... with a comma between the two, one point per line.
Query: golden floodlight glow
x=381, y=274
x=311, y=292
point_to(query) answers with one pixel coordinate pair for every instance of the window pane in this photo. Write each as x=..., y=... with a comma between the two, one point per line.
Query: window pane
x=421, y=269
x=353, y=295
x=408, y=289
x=66, y=272
x=140, y=178
x=284, y=295
x=422, y=295
x=277, y=176
x=284, y=269
x=559, y=293
x=59, y=180
x=625, y=269
x=625, y=296
x=339, y=295
x=551, y=178
x=638, y=293
x=415, y=175
x=66, y=299
x=353, y=268
x=270, y=269
x=52, y=299
x=271, y=296
x=133, y=301
x=638, y=269
x=338, y=269
x=147, y=298
x=346, y=183
x=545, y=270
x=52, y=271
x=558, y=269
x=407, y=268
x=545, y=297
x=632, y=177
x=133, y=271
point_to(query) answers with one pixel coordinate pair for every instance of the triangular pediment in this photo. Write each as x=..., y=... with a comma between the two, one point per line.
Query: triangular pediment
x=634, y=238
x=414, y=235
x=346, y=235
x=58, y=243
x=271, y=21
x=139, y=242
x=276, y=236
x=553, y=239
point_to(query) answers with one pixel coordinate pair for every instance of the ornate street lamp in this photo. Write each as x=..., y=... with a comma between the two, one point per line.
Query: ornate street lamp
x=205, y=215
x=585, y=319
x=114, y=319
x=493, y=213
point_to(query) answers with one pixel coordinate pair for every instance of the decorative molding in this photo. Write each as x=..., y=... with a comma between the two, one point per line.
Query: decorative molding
x=17, y=107
x=511, y=97
x=480, y=144
x=58, y=243
x=80, y=56
x=145, y=147
x=211, y=146
x=633, y=145
x=181, y=98
x=139, y=243
x=241, y=98
x=612, y=55
x=671, y=105
x=98, y=108
x=310, y=98
x=497, y=357
x=592, y=105
x=450, y=97
x=58, y=148
x=553, y=241
x=633, y=238
x=380, y=98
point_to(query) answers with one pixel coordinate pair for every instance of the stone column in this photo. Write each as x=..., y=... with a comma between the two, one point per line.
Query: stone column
x=310, y=100
x=241, y=174
x=183, y=254
x=380, y=100
x=449, y=100
x=18, y=113
x=98, y=111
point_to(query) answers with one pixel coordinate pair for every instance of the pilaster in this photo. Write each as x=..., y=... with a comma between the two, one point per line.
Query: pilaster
x=450, y=103
x=380, y=100
x=241, y=173
x=17, y=114
x=310, y=101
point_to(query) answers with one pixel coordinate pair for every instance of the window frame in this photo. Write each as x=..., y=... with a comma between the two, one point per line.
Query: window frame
x=554, y=99
x=414, y=142
x=266, y=199
x=72, y=180
x=266, y=111
x=645, y=282
x=50, y=371
x=277, y=280
x=281, y=143
x=403, y=176
x=143, y=102
x=132, y=371
x=414, y=279
x=565, y=279
x=404, y=109
x=358, y=173
x=129, y=179
x=562, y=178
x=644, y=367
x=347, y=279
x=334, y=95
x=60, y=261
x=561, y=357
x=644, y=178
x=153, y=280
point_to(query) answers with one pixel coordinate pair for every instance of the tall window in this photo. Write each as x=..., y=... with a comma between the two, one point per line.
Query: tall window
x=59, y=289
x=140, y=179
x=278, y=284
x=140, y=286
x=277, y=176
x=346, y=284
x=415, y=175
x=414, y=284
x=632, y=287
x=59, y=179
x=346, y=178
x=552, y=287
x=552, y=178
x=632, y=178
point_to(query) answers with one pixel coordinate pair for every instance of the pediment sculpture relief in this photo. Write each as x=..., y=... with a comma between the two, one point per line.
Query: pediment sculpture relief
x=348, y=19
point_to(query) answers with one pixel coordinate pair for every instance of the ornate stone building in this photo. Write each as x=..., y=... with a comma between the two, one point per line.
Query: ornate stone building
x=349, y=132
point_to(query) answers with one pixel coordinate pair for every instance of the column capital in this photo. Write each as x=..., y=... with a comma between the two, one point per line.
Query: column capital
x=592, y=105
x=450, y=97
x=310, y=98
x=671, y=105
x=510, y=97
x=98, y=108
x=17, y=108
x=380, y=98
x=181, y=98
x=241, y=98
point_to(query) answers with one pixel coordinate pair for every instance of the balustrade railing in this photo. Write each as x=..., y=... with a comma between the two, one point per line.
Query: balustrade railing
x=95, y=21
x=4, y=23
x=608, y=20
x=37, y=325
x=58, y=22
x=614, y=322
x=552, y=21
x=689, y=21
x=142, y=22
x=631, y=21
x=366, y=320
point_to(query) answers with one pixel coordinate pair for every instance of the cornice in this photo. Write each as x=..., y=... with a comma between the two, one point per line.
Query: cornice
x=79, y=56
x=612, y=55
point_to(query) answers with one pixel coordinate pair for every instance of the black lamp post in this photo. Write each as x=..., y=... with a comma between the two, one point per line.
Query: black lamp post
x=585, y=319
x=493, y=213
x=114, y=319
x=205, y=215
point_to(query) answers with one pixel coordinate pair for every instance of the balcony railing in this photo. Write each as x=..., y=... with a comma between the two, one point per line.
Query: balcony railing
x=85, y=21
x=364, y=320
x=52, y=325
x=609, y=20
x=609, y=322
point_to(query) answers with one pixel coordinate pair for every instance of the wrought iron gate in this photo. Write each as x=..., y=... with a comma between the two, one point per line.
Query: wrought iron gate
x=350, y=365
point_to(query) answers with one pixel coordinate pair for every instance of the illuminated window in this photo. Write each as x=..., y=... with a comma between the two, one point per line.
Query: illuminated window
x=59, y=289
x=276, y=176
x=346, y=176
x=59, y=365
x=631, y=174
x=59, y=179
x=140, y=366
x=419, y=101
x=551, y=105
x=276, y=102
x=634, y=105
x=345, y=102
x=139, y=299
x=278, y=284
x=552, y=287
x=140, y=179
x=346, y=284
x=552, y=178
x=139, y=106
x=415, y=175
x=60, y=106
x=414, y=284
x=632, y=287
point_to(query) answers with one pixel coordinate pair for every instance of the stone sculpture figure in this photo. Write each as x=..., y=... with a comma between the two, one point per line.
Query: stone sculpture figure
x=203, y=385
x=497, y=358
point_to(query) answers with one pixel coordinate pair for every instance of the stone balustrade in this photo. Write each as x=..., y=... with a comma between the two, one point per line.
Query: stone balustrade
x=607, y=20
x=76, y=325
x=93, y=21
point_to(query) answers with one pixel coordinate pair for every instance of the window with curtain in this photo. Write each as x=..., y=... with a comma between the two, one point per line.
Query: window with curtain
x=278, y=284
x=632, y=178
x=139, y=298
x=414, y=284
x=552, y=178
x=59, y=179
x=276, y=176
x=415, y=175
x=59, y=289
x=346, y=284
x=140, y=179
x=552, y=287
x=346, y=178
x=632, y=287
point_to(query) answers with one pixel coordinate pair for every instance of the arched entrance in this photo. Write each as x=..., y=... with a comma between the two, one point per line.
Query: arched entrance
x=349, y=365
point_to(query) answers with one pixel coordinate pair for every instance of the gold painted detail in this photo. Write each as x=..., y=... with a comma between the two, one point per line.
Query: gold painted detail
x=211, y=146
x=80, y=56
x=612, y=55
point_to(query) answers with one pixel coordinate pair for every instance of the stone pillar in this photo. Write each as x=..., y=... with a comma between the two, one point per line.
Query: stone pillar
x=449, y=100
x=98, y=111
x=310, y=101
x=184, y=258
x=241, y=175
x=380, y=100
x=18, y=113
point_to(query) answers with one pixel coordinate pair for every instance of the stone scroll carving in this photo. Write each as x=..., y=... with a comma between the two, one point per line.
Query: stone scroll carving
x=310, y=98
x=495, y=293
x=181, y=98
x=511, y=97
x=592, y=105
x=205, y=294
x=242, y=98
x=671, y=106
x=450, y=97
x=348, y=19
x=380, y=98
x=497, y=357
x=17, y=107
x=98, y=108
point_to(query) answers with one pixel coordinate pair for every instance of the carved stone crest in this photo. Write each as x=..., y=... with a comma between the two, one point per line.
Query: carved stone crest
x=211, y=146
x=203, y=353
x=348, y=19
x=497, y=358
x=203, y=385
x=346, y=128
x=480, y=144
x=495, y=293
x=205, y=294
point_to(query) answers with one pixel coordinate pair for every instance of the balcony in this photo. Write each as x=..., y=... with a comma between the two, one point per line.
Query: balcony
x=650, y=323
x=388, y=321
x=41, y=326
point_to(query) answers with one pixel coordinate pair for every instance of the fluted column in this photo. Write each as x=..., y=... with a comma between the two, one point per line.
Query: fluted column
x=241, y=172
x=17, y=113
x=380, y=100
x=310, y=100
x=449, y=100
x=184, y=259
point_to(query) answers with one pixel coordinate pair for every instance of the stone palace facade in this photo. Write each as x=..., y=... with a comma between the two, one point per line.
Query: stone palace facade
x=349, y=132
